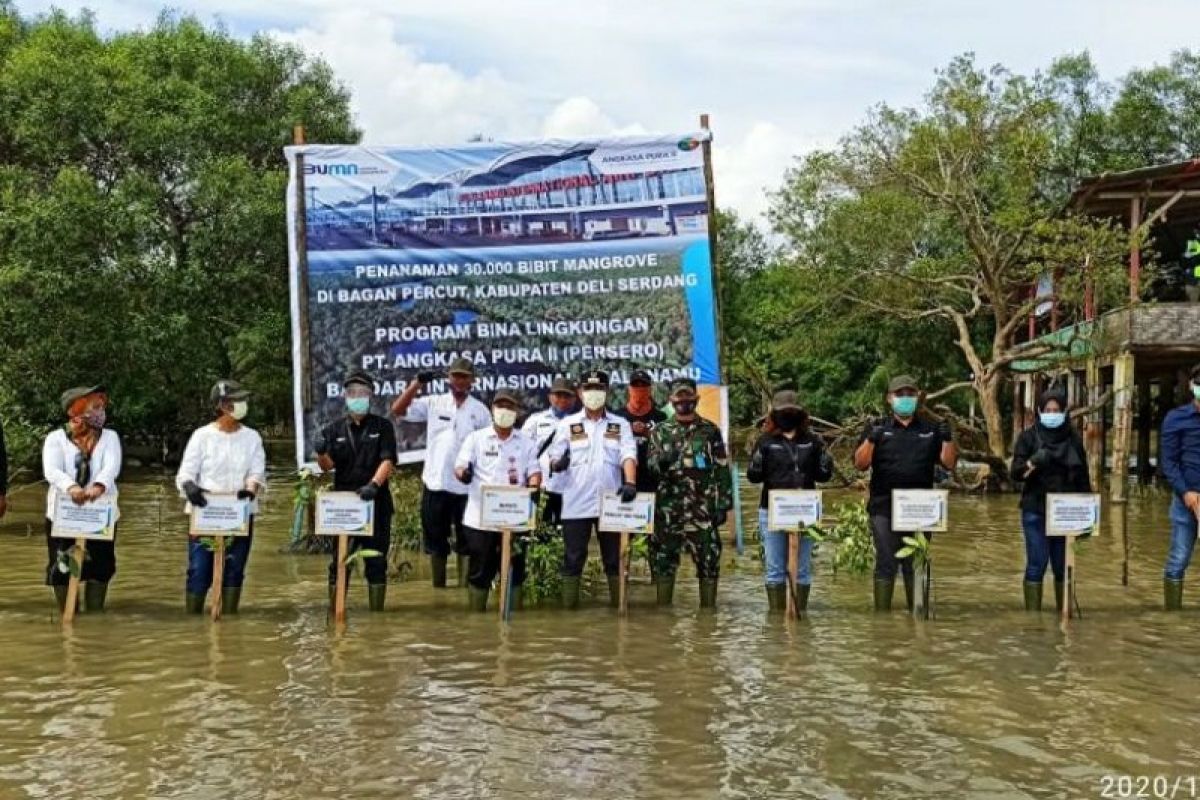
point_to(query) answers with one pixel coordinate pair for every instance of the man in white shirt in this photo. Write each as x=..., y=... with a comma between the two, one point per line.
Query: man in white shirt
x=594, y=452
x=448, y=418
x=490, y=456
x=222, y=457
x=541, y=427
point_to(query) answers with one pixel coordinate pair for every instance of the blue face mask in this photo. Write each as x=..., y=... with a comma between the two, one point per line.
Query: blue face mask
x=1052, y=419
x=358, y=405
x=558, y=414
x=904, y=406
x=1196, y=390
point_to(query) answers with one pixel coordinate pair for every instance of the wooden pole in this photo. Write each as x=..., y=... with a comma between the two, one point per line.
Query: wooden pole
x=339, y=586
x=1135, y=252
x=505, y=569
x=623, y=583
x=1069, y=589
x=1123, y=383
x=302, y=272
x=1094, y=435
x=793, y=569
x=218, y=578
x=73, y=583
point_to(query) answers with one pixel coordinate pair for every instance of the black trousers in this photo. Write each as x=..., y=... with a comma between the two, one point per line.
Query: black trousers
x=887, y=543
x=484, y=563
x=577, y=534
x=375, y=568
x=441, y=513
x=99, y=563
x=552, y=513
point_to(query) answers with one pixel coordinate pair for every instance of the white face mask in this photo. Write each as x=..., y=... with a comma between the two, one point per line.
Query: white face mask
x=504, y=417
x=240, y=409
x=593, y=399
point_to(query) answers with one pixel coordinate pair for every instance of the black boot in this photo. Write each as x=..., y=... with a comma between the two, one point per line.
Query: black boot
x=570, y=593
x=614, y=591
x=230, y=599
x=776, y=597
x=60, y=597
x=802, y=598
x=461, y=563
x=909, y=587
x=884, y=589
x=477, y=599
x=708, y=593
x=1033, y=596
x=376, y=594
x=1172, y=595
x=193, y=603
x=665, y=589
x=1059, y=587
x=438, y=566
x=94, y=594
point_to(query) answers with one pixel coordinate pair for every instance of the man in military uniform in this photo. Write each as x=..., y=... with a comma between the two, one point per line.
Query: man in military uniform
x=695, y=492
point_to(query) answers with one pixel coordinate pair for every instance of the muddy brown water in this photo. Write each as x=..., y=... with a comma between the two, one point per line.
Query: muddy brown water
x=427, y=701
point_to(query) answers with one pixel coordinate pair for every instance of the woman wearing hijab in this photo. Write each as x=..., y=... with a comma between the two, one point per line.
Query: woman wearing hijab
x=1049, y=458
x=82, y=460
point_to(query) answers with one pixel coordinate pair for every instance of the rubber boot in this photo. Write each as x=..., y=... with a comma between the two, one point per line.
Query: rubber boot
x=193, y=603
x=665, y=589
x=230, y=599
x=1059, y=586
x=1033, y=596
x=802, y=597
x=884, y=589
x=570, y=593
x=376, y=594
x=1172, y=595
x=477, y=599
x=776, y=597
x=461, y=564
x=909, y=593
x=614, y=591
x=708, y=594
x=94, y=593
x=438, y=567
x=60, y=597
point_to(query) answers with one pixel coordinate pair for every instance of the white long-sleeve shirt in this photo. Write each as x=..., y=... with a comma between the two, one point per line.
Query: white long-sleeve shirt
x=508, y=462
x=58, y=466
x=541, y=426
x=224, y=463
x=599, y=449
x=447, y=424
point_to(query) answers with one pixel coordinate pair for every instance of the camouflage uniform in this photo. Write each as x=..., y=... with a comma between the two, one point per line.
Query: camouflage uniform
x=695, y=493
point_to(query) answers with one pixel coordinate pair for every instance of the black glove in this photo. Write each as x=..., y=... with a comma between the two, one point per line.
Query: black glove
x=719, y=518
x=195, y=494
x=944, y=433
x=563, y=462
x=875, y=434
x=468, y=474
x=1041, y=458
x=245, y=494
x=756, y=461
x=535, y=496
x=425, y=377
x=368, y=492
x=826, y=461
x=627, y=492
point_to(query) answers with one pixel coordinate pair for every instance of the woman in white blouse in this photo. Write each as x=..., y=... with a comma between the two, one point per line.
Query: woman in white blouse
x=82, y=460
x=223, y=457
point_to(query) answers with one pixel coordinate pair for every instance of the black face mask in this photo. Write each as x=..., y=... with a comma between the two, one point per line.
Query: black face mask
x=787, y=421
x=684, y=407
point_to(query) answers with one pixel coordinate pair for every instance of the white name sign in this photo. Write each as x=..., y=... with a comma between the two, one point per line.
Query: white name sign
x=793, y=509
x=636, y=516
x=344, y=514
x=223, y=515
x=920, y=509
x=505, y=508
x=94, y=520
x=1072, y=514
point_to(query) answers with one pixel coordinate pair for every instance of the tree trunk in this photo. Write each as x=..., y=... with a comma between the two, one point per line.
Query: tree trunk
x=989, y=405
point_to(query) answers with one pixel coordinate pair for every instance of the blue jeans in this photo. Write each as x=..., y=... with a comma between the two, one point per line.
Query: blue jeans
x=1183, y=540
x=200, y=563
x=775, y=553
x=1041, y=549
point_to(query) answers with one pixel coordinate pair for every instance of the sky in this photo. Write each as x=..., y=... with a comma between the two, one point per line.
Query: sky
x=777, y=77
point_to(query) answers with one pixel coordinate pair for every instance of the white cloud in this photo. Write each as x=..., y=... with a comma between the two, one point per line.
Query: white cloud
x=744, y=170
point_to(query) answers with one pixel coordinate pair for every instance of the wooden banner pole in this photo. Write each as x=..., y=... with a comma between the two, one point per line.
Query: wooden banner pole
x=505, y=570
x=218, y=576
x=73, y=583
x=339, y=586
x=793, y=569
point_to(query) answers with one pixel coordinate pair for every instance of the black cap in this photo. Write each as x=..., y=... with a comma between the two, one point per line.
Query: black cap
x=360, y=377
x=506, y=394
x=461, y=366
x=785, y=400
x=562, y=385
x=595, y=379
x=76, y=392
x=903, y=382
x=683, y=388
x=640, y=376
x=227, y=390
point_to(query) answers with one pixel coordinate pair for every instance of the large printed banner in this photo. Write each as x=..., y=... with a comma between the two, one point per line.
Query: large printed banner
x=532, y=259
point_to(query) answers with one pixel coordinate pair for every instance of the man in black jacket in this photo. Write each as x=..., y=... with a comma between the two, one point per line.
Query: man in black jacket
x=789, y=456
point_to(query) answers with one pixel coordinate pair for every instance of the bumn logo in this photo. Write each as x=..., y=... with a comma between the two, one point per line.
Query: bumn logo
x=689, y=144
x=331, y=169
